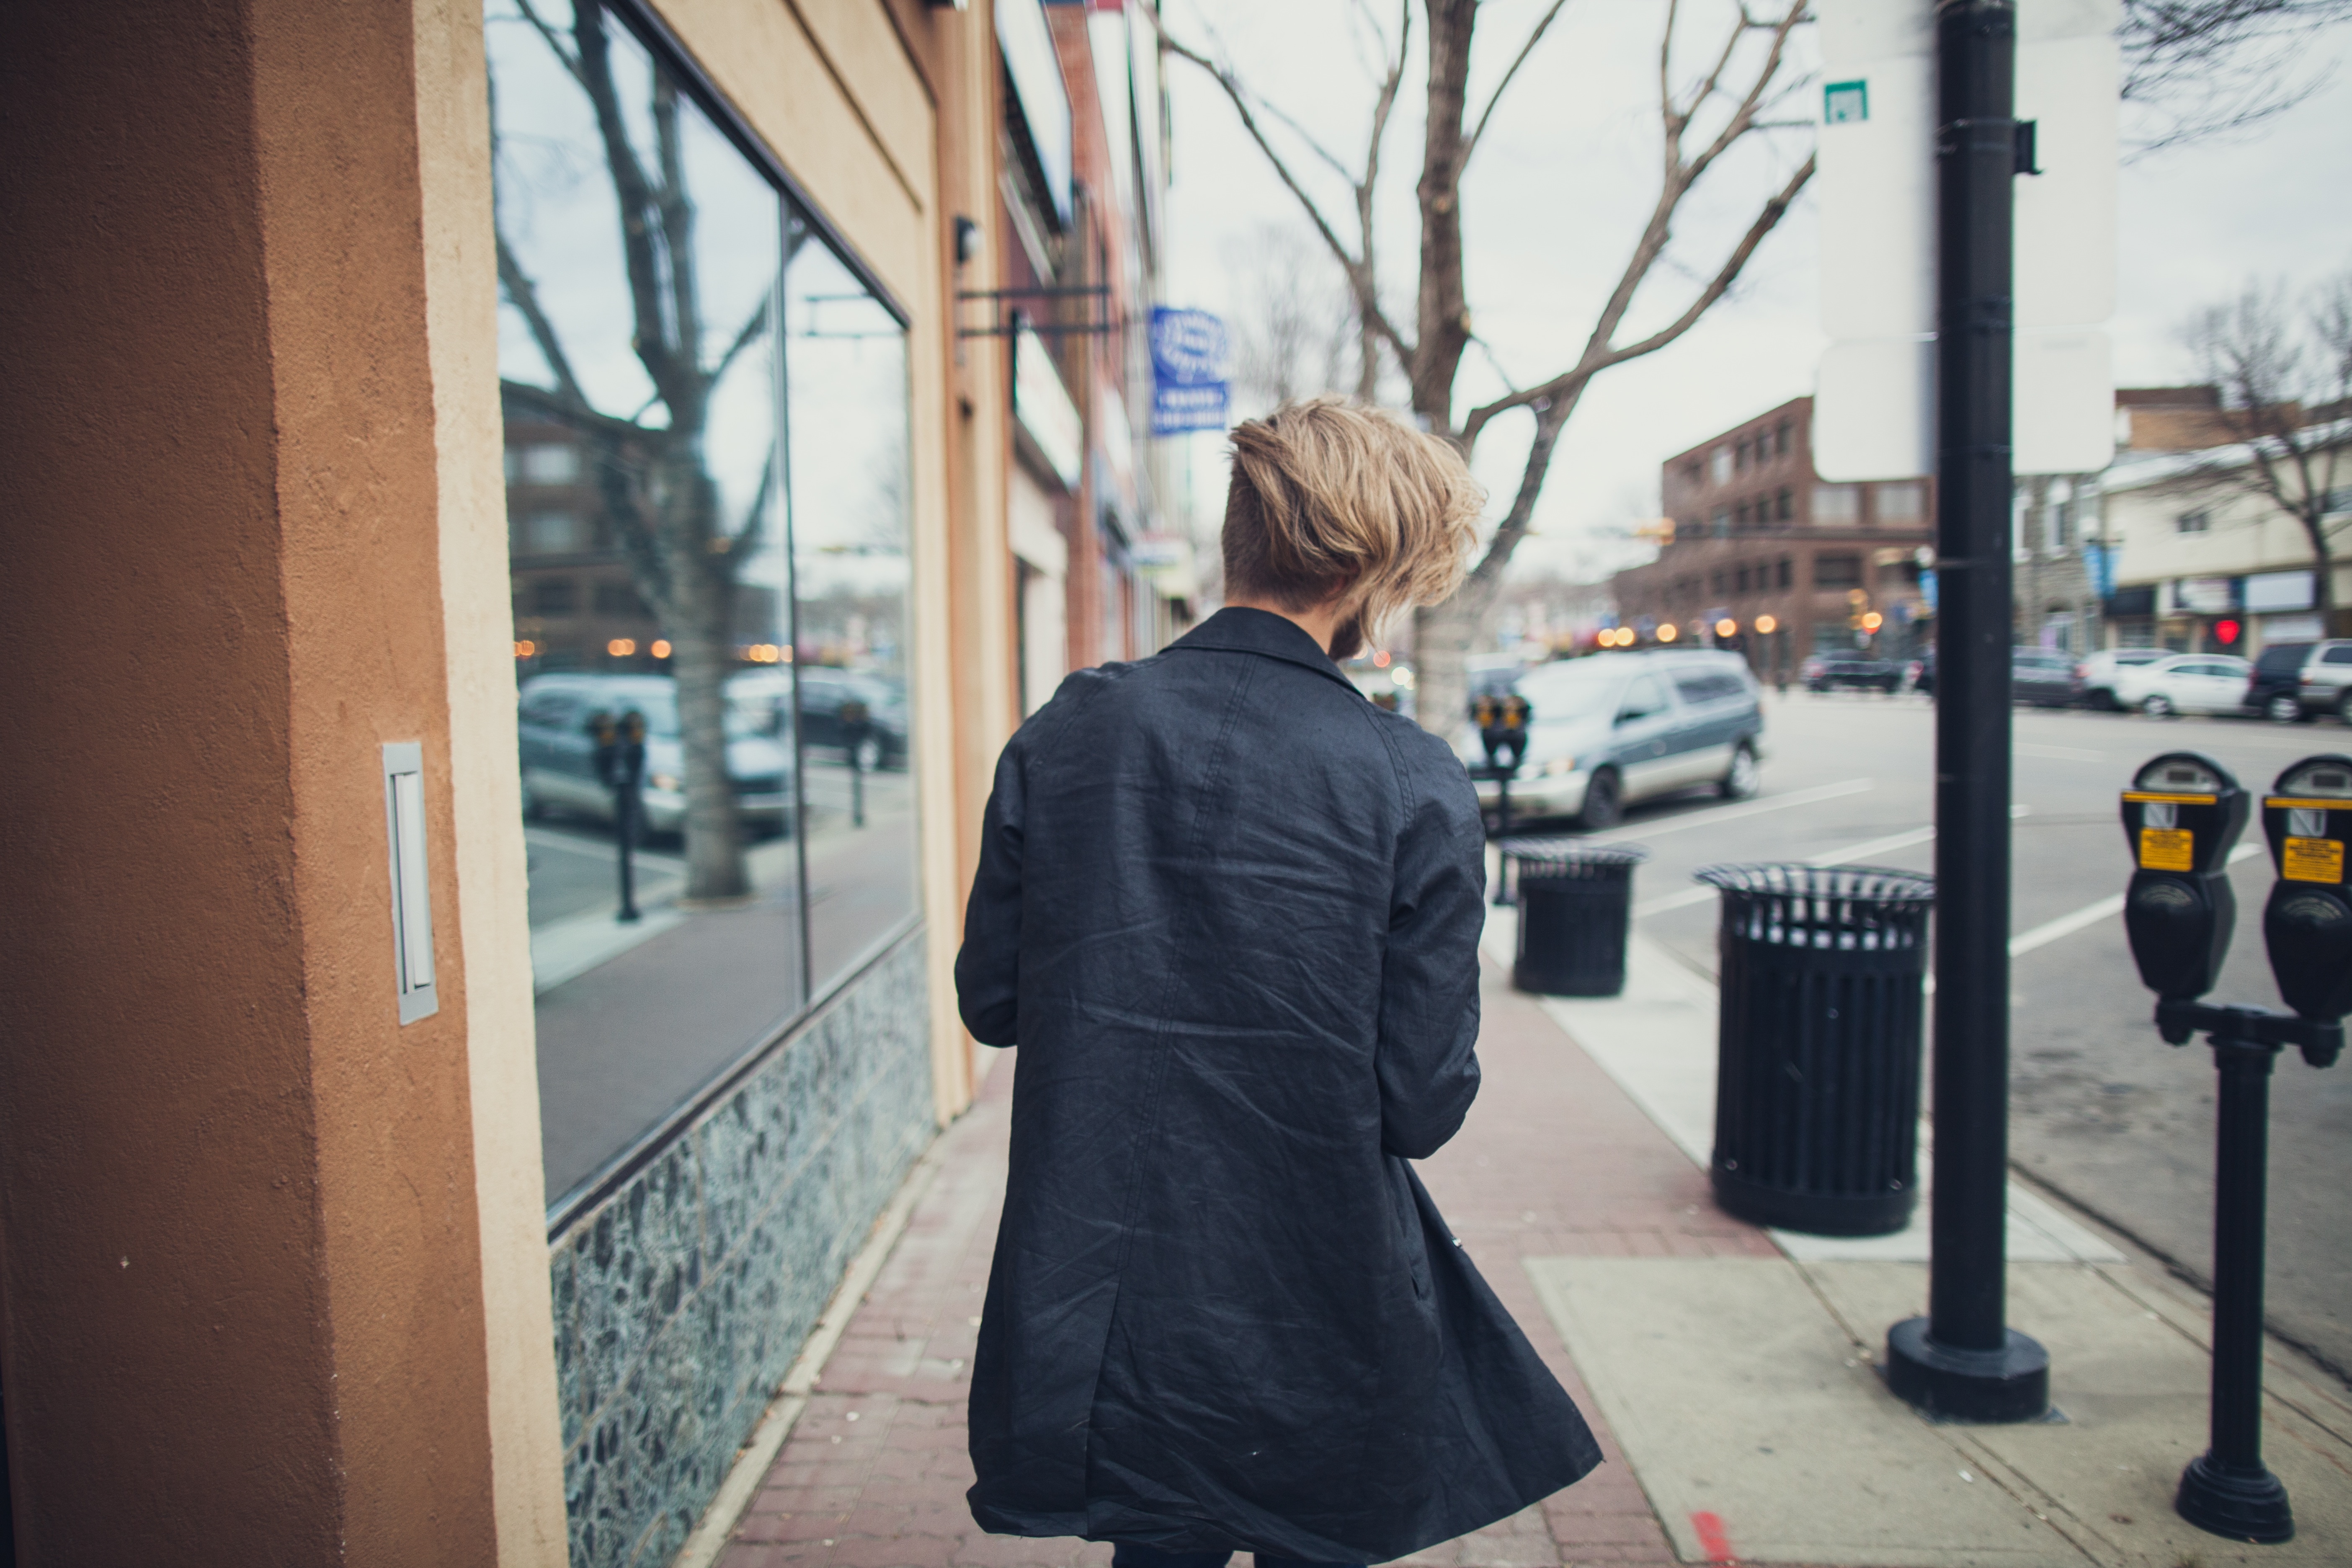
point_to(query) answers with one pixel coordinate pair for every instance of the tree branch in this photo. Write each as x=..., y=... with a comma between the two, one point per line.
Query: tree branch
x=1470, y=148
x=1359, y=278
x=1601, y=355
x=523, y=295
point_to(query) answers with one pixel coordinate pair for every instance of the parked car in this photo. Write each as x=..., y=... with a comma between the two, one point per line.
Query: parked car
x=823, y=689
x=2100, y=669
x=2326, y=686
x=555, y=732
x=1617, y=727
x=2044, y=677
x=1860, y=674
x=1922, y=673
x=2185, y=683
x=2275, y=690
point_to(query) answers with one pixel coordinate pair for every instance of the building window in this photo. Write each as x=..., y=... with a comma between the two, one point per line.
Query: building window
x=1742, y=583
x=548, y=463
x=1901, y=503
x=620, y=599
x=1837, y=570
x=550, y=533
x=1722, y=465
x=1722, y=523
x=1781, y=439
x=2198, y=521
x=747, y=392
x=1787, y=572
x=1784, y=505
x=2062, y=525
x=1740, y=516
x=1837, y=506
x=1747, y=455
x=1693, y=473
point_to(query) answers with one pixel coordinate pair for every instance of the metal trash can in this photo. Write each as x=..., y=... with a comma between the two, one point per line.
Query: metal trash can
x=1818, y=1044
x=1576, y=901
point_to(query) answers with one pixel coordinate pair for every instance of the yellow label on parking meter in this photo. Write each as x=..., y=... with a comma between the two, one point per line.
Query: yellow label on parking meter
x=2167, y=850
x=2312, y=860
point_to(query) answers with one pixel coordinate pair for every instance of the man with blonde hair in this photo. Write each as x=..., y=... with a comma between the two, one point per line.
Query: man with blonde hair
x=1229, y=909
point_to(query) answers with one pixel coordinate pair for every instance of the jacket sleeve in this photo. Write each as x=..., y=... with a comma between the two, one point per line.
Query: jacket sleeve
x=1427, y=1061
x=988, y=967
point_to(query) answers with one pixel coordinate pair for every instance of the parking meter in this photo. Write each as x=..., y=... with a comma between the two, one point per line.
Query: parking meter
x=1502, y=728
x=621, y=767
x=2307, y=922
x=2182, y=814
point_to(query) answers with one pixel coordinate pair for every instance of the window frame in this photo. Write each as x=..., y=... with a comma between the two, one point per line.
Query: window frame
x=645, y=26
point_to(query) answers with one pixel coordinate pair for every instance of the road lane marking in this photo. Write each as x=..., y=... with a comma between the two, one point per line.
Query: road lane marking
x=1734, y=814
x=1837, y=856
x=2091, y=914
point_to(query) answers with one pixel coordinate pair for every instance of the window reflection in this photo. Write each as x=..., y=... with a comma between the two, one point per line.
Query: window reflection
x=845, y=377
x=649, y=323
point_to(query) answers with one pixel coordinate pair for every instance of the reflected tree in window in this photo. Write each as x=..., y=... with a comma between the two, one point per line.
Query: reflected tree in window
x=678, y=437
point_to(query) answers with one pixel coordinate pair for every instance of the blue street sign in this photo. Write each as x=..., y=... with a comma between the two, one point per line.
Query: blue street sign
x=1189, y=389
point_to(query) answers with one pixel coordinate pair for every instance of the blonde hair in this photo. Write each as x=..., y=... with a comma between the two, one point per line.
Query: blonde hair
x=1330, y=498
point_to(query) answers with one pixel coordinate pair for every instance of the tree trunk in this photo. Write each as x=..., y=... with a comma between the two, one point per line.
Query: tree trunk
x=701, y=659
x=1443, y=636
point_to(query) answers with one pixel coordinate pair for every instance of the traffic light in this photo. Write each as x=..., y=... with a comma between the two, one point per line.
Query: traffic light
x=2227, y=632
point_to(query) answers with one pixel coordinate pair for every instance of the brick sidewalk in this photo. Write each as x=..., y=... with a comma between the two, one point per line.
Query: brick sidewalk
x=1554, y=1162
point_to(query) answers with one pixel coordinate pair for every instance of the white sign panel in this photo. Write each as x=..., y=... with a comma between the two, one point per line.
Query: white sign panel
x=1874, y=412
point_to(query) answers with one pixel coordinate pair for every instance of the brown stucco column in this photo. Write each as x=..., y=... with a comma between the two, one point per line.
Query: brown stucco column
x=240, y=1247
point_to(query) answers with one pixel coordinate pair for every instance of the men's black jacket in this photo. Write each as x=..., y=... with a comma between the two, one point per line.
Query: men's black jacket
x=1229, y=909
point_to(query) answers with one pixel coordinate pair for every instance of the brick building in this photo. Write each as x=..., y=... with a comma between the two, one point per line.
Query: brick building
x=1796, y=565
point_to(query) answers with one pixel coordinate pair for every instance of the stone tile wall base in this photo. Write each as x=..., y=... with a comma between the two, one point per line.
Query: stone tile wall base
x=682, y=1300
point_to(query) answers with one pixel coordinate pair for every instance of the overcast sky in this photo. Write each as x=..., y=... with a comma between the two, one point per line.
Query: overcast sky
x=1558, y=190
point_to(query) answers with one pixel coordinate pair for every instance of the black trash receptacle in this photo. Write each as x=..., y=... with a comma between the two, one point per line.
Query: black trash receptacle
x=1818, y=1044
x=1575, y=903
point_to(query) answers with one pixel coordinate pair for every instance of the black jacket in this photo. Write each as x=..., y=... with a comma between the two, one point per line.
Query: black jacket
x=1230, y=911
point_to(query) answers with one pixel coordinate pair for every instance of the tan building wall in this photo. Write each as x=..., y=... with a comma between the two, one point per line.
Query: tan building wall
x=276, y=1266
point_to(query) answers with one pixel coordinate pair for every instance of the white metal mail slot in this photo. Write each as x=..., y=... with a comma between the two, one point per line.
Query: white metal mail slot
x=412, y=891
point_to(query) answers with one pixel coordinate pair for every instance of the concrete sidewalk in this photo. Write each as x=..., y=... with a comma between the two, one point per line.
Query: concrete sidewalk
x=1729, y=1382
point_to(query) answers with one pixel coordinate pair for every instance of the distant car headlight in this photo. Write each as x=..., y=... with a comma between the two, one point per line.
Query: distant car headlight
x=665, y=782
x=1558, y=765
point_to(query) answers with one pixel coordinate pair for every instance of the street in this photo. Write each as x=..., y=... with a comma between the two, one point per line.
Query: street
x=2104, y=1112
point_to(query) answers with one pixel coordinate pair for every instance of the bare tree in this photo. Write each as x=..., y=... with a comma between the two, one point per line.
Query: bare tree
x=1295, y=329
x=2206, y=67
x=1733, y=95
x=652, y=477
x=2285, y=377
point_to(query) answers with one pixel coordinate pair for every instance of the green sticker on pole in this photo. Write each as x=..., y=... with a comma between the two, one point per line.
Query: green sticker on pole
x=1845, y=103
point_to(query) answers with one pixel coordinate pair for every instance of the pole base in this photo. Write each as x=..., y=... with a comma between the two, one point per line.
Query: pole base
x=2012, y=1383
x=2239, y=1502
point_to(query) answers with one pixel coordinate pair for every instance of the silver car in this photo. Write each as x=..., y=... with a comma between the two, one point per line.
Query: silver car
x=1615, y=728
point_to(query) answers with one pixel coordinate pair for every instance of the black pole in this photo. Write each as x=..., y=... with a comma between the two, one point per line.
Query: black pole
x=1961, y=1361
x=2228, y=1490
x=629, y=807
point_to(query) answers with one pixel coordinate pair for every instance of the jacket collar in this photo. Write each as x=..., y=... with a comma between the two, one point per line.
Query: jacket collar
x=1237, y=630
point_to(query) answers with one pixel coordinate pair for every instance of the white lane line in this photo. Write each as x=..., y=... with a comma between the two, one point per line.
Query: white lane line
x=1734, y=814
x=1892, y=841
x=2091, y=914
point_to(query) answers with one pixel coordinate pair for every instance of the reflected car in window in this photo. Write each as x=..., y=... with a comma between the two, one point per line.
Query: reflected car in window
x=823, y=691
x=555, y=732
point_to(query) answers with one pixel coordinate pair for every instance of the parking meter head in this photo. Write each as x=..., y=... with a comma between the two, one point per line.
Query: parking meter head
x=2181, y=815
x=1502, y=727
x=2307, y=921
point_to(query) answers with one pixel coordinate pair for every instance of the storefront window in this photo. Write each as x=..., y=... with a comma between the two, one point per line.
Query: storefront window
x=696, y=463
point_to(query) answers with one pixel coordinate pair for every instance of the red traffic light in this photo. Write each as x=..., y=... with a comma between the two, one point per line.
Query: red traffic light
x=2226, y=633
